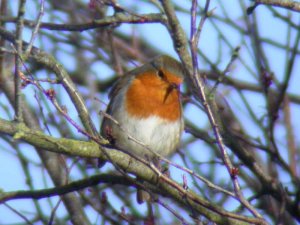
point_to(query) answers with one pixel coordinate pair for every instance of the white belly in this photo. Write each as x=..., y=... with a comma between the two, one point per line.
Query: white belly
x=159, y=135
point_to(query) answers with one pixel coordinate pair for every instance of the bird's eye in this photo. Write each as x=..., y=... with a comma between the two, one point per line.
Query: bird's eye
x=161, y=74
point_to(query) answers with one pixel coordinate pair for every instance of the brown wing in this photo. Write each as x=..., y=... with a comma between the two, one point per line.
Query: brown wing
x=122, y=82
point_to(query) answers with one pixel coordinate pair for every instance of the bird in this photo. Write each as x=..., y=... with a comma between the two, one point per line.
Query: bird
x=146, y=104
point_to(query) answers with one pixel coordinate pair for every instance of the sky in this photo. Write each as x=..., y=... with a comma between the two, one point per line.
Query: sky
x=11, y=172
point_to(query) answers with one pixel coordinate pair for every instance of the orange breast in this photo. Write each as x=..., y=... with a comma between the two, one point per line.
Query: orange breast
x=149, y=95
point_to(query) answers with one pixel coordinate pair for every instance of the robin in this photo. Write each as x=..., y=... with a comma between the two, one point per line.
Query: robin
x=146, y=103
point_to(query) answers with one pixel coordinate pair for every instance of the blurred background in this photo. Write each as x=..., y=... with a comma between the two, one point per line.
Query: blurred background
x=250, y=54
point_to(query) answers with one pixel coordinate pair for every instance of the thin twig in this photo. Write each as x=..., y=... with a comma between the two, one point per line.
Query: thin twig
x=52, y=216
x=220, y=79
x=291, y=143
x=199, y=81
x=173, y=211
x=35, y=30
x=191, y=172
x=18, y=213
x=18, y=61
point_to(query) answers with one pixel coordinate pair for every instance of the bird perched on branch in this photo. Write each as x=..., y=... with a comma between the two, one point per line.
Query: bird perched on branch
x=147, y=106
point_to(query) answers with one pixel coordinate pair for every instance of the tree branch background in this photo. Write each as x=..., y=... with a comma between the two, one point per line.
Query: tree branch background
x=239, y=158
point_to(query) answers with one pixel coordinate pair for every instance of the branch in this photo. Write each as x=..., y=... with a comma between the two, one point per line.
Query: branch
x=241, y=85
x=61, y=190
x=291, y=5
x=52, y=161
x=115, y=20
x=36, y=29
x=148, y=173
x=18, y=59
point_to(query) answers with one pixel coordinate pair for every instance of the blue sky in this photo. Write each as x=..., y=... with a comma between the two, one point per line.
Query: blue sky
x=12, y=177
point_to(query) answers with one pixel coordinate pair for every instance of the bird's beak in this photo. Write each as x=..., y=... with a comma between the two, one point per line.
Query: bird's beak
x=172, y=86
